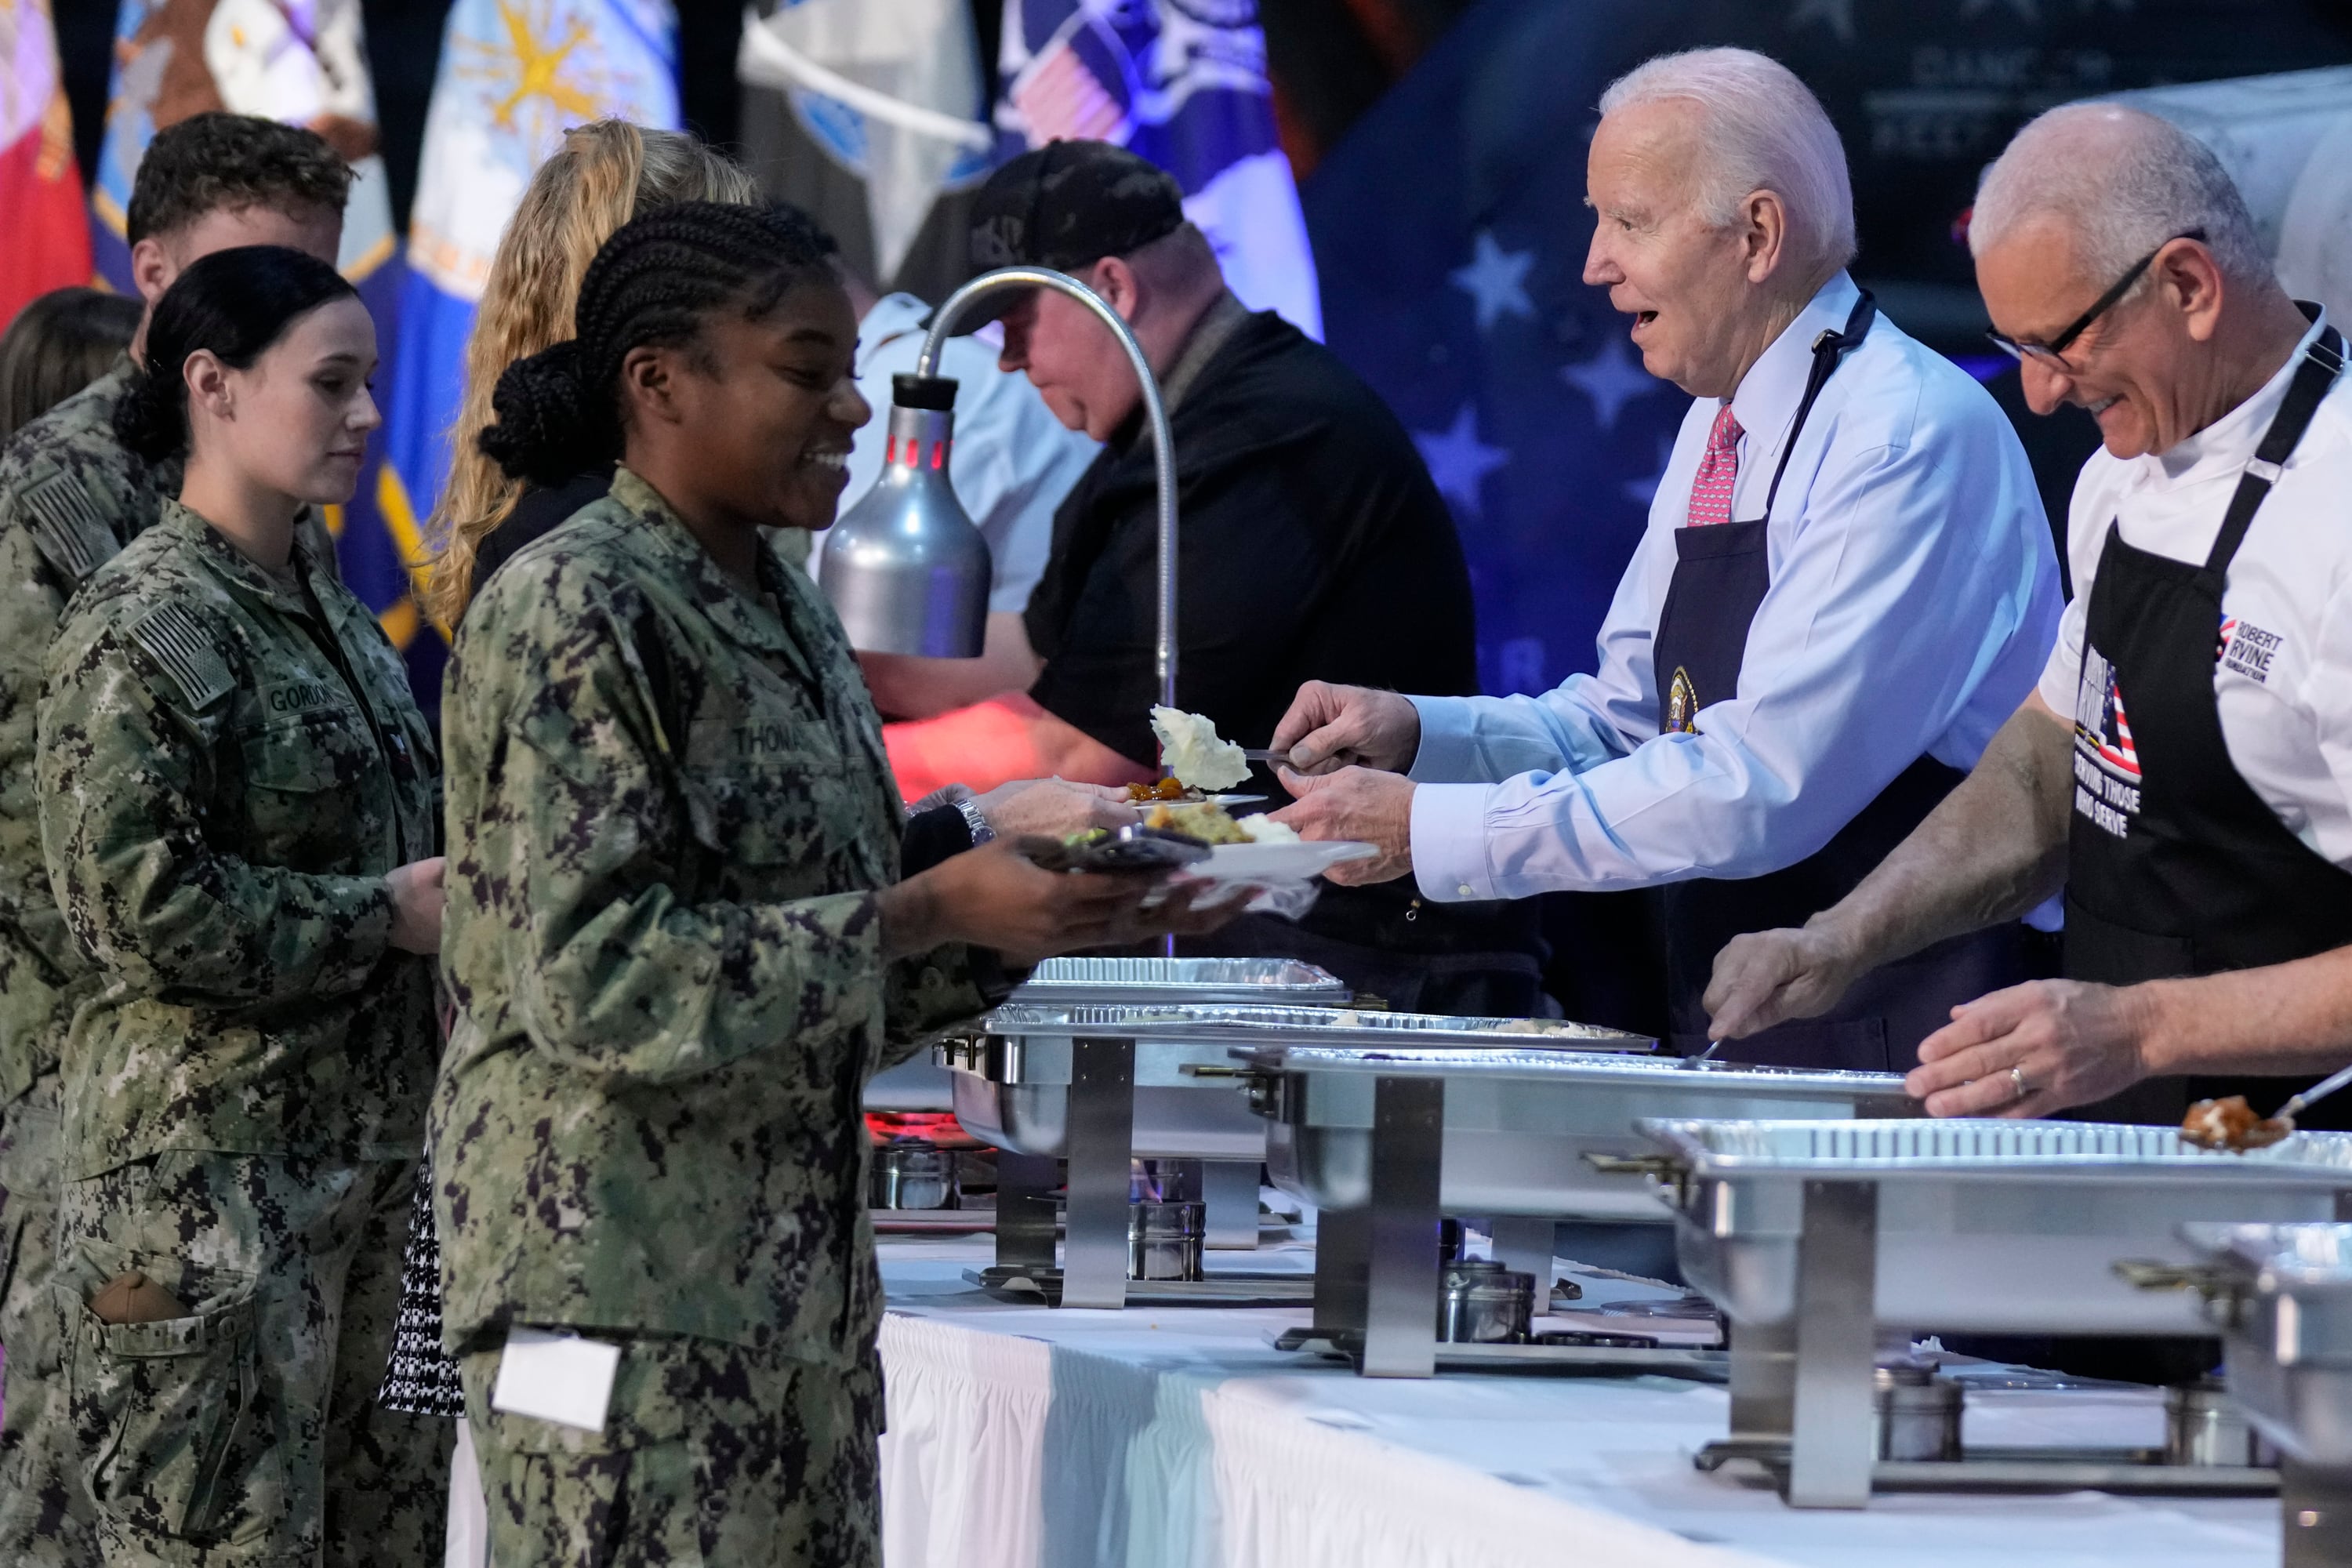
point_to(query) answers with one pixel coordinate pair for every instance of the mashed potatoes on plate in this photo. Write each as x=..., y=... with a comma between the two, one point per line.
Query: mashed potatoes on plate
x=1195, y=753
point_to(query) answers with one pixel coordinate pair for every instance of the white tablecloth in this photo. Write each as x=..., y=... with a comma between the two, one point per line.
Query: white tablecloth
x=1027, y=1437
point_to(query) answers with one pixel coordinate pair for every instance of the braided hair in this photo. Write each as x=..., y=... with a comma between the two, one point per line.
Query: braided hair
x=653, y=285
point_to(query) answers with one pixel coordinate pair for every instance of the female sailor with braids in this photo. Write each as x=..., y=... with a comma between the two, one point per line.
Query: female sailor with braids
x=239, y=812
x=679, y=936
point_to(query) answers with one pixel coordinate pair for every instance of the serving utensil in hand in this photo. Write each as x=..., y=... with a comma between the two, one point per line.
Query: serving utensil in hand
x=1261, y=754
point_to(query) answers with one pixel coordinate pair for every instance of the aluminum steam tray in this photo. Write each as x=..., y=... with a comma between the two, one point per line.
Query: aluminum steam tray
x=1984, y=1226
x=926, y=1084
x=1519, y=1124
x=1013, y=1080
x=1178, y=981
x=2281, y=1296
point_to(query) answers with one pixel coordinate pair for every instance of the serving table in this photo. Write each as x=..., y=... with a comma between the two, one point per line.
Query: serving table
x=1021, y=1438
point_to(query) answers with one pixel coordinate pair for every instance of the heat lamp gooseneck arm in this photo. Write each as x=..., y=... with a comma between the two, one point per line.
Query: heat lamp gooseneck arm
x=1163, y=444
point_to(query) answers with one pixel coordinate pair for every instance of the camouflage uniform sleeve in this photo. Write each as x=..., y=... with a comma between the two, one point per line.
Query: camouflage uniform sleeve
x=122, y=768
x=32, y=603
x=562, y=867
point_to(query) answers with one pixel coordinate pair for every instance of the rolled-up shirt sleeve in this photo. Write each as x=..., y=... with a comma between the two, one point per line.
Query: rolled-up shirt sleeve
x=1908, y=585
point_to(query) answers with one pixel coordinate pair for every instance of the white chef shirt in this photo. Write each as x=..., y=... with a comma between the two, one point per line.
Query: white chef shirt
x=1914, y=597
x=2284, y=683
x=1013, y=461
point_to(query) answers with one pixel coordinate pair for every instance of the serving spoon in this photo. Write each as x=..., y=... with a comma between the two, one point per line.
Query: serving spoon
x=2271, y=1129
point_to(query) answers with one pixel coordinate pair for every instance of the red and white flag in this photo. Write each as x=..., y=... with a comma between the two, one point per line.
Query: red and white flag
x=40, y=186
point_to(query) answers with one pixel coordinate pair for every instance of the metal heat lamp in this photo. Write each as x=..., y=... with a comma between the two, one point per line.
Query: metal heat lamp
x=906, y=568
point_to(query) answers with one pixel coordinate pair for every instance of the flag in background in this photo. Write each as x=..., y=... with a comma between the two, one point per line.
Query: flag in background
x=302, y=62
x=40, y=186
x=514, y=76
x=1183, y=83
x=1452, y=230
x=862, y=111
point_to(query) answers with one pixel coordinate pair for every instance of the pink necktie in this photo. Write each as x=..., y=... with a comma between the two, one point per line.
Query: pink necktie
x=1711, y=486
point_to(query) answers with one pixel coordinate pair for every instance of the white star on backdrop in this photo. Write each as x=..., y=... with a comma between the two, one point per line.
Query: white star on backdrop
x=1838, y=13
x=1496, y=280
x=1643, y=491
x=1459, y=461
x=2028, y=11
x=1612, y=377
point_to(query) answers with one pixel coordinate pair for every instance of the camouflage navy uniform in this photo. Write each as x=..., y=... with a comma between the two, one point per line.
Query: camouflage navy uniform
x=70, y=496
x=229, y=763
x=669, y=805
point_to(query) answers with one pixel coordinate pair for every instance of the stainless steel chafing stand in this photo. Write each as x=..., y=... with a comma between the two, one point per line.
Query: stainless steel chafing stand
x=1098, y=1085
x=925, y=1084
x=1811, y=1234
x=2281, y=1297
x=1385, y=1139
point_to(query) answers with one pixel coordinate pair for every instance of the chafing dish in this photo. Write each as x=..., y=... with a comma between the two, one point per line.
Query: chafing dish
x=2281, y=1297
x=1182, y=981
x=1810, y=1236
x=1385, y=1138
x=1095, y=1084
x=926, y=1084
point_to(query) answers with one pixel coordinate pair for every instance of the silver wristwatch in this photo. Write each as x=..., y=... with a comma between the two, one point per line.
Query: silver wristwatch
x=973, y=818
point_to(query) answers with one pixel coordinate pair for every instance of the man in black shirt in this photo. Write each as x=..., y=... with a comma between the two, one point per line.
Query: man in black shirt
x=1312, y=546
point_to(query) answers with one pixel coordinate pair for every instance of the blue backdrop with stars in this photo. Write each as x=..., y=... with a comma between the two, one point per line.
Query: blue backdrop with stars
x=1450, y=229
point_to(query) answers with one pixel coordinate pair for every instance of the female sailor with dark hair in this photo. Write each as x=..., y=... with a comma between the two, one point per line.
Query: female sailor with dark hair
x=238, y=813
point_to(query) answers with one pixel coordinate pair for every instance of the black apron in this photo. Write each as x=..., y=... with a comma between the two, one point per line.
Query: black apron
x=2175, y=865
x=1721, y=572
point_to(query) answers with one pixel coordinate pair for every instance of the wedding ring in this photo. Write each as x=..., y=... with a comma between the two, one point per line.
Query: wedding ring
x=2017, y=1077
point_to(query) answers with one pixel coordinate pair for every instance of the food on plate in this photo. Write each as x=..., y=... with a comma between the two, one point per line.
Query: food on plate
x=1211, y=823
x=1194, y=753
x=1170, y=788
x=2232, y=1124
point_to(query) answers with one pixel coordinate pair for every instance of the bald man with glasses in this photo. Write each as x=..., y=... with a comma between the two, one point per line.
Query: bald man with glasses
x=2184, y=771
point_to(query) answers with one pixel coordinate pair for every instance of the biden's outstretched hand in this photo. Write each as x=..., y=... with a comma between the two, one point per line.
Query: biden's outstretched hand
x=1359, y=805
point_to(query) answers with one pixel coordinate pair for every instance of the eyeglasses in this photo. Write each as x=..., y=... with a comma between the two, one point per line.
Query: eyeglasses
x=2048, y=353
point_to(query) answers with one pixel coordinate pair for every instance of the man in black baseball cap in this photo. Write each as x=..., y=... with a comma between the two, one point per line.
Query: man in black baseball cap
x=1115, y=222
x=1067, y=204
x=1312, y=547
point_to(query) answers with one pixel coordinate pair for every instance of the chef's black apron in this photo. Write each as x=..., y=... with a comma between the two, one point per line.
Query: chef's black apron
x=2175, y=865
x=1721, y=572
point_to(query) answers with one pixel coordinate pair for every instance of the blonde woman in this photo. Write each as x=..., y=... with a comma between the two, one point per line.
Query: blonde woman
x=604, y=175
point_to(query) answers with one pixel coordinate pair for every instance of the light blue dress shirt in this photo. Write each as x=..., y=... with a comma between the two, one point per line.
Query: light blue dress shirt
x=1013, y=461
x=1914, y=598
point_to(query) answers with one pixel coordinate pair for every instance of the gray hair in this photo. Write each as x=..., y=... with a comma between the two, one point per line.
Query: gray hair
x=1759, y=129
x=2123, y=182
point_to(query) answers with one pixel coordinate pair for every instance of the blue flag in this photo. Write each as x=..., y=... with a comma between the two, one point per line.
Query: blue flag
x=1452, y=228
x=302, y=62
x=514, y=76
x=1183, y=84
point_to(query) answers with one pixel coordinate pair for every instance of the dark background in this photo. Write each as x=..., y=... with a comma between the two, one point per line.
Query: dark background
x=1923, y=91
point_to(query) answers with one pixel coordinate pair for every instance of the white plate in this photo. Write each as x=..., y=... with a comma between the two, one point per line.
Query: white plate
x=1259, y=863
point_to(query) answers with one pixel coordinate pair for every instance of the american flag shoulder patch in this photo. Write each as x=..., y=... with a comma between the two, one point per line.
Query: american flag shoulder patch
x=64, y=523
x=181, y=646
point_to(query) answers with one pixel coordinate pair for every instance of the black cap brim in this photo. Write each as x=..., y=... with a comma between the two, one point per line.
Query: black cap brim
x=989, y=307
